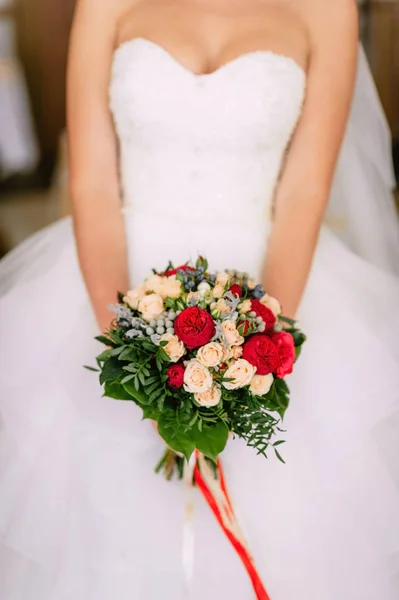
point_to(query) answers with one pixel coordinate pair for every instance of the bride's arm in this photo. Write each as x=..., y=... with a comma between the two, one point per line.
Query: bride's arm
x=304, y=188
x=94, y=186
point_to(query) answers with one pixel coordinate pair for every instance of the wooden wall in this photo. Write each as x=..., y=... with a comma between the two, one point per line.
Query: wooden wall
x=42, y=28
x=383, y=50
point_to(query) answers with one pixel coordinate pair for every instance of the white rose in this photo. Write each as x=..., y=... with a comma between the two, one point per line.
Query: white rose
x=154, y=284
x=171, y=288
x=134, y=296
x=197, y=378
x=209, y=398
x=203, y=288
x=245, y=306
x=272, y=303
x=151, y=306
x=241, y=372
x=261, y=384
x=218, y=291
x=211, y=355
x=231, y=333
x=174, y=348
x=222, y=278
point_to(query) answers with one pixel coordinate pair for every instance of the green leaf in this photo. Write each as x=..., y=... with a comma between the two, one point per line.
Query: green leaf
x=137, y=394
x=279, y=456
x=150, y=412
x=212, y=440
x=114, y=389
x=105, y=340
x=111, y=370
x=91, y=368
x=180, y=441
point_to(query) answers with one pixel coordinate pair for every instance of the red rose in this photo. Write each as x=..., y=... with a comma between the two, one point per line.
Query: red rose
x=260, y=351
x=174, y=271
x=236, y=290
x=243, y=327
x=175, y=376
x=284, y=343
x=195, y=327
x=265, y=313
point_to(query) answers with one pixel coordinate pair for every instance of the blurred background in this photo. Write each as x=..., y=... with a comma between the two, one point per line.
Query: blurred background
x=33, y=55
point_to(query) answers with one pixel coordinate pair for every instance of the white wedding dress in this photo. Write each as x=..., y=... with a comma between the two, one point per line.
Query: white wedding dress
x=82, y=514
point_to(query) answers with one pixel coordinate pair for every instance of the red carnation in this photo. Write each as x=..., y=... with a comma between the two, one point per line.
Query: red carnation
x=195, y=327
x=265, y=313
x=284, y=343
x=261, y=352
x=174, y=271
x=175, y=376
x=236, y=290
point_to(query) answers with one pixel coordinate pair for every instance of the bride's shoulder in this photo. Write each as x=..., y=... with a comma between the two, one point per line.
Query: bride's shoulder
x=98, y=11
x=332, y=17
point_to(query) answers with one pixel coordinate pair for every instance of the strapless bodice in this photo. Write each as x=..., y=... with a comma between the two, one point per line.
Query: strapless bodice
x=202, y=144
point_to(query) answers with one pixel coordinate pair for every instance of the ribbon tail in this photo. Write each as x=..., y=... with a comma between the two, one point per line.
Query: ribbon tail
x=216, y=495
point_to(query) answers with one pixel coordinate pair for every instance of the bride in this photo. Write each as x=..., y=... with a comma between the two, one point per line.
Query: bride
x=221, y=121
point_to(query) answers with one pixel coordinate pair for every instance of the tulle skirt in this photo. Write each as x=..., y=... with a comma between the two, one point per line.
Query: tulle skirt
x=83, y=516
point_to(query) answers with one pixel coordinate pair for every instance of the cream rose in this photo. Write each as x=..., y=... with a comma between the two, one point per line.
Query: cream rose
x=211, y=355
x=222, y=278
x=154, y=284
x=218, y=291
x=174, y=348
x=209, y=398
x=151, y=306
x=261, y=384
x=233, y=338
x=197, y=378
x=234, y=352
x=171, y=288
x=245, y=306
x=134, y=296
x=193, y=296
x=241, y=372
x=221, y=306
x=272, y=303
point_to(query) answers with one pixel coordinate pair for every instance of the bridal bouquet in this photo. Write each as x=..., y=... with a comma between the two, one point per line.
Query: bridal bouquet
x=205, y=355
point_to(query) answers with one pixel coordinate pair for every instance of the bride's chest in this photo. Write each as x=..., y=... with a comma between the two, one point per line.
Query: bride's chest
x=256, y=98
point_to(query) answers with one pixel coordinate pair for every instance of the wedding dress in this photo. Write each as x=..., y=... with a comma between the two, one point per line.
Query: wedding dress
x=82, y=514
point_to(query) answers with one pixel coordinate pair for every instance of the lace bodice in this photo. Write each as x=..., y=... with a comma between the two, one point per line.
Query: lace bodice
x=202, y=144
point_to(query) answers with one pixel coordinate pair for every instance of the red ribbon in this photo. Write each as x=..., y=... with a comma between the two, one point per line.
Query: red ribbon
x=239, y=547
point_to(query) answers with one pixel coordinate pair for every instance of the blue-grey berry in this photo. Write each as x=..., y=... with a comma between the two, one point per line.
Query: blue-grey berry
x=259, y=320
x=153, y=323
x=252, y=314
x=168, y=323
x=172, y=314
x=170, y=330
x=160, y=322
x=150, y=331
x=160, y=330
x=262, y=327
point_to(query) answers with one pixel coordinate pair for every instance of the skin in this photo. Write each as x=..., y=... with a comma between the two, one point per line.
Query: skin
x=320, y=35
